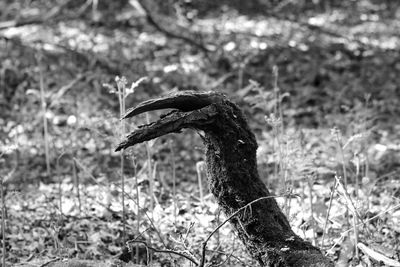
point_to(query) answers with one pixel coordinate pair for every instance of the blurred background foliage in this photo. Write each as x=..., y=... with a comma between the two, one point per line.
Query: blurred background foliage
x=331, y=56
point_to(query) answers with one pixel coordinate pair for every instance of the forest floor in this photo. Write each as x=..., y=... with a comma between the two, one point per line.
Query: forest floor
x=319, y=86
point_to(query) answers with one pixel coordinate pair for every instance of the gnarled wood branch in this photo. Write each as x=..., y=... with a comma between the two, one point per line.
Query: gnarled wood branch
x=232, y=174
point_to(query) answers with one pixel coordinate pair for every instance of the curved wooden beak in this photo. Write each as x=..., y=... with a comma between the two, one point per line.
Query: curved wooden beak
x=184, y=101
x=194, y=110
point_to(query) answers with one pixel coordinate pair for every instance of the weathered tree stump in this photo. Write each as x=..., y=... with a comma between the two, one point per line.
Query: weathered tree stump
x=232, y=174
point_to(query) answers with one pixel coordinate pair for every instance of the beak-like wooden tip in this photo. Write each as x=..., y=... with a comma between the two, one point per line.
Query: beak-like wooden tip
x=183, y=101
x=190, y=114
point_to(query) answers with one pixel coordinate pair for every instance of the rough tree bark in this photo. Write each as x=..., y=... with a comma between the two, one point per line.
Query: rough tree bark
x=232, y=174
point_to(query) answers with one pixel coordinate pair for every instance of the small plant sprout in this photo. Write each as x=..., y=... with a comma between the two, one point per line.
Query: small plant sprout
x=123, y=92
